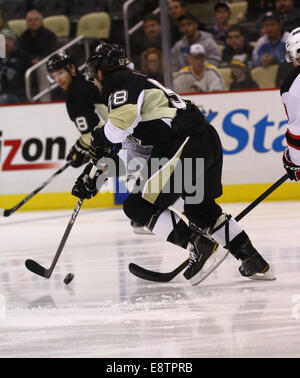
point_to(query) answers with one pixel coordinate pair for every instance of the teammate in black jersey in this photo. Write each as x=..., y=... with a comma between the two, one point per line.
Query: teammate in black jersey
x=84, y=103
x=86, y=109
x=143, y=110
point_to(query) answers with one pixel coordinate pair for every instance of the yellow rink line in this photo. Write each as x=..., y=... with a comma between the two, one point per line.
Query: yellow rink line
x=289, y=191
x=57, y=201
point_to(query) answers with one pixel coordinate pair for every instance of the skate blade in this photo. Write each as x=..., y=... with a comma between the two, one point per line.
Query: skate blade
x=142, y=231
x=267, y=276
x=211, y=264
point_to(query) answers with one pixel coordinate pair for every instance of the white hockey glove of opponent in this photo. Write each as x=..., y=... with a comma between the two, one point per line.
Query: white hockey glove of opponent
x=292, y=169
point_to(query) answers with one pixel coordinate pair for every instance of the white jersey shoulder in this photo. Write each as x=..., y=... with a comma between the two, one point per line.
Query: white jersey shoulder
x=290, y=94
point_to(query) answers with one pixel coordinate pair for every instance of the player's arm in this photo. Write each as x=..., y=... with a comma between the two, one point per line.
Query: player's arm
x=79, y=153
x=86, y=119
x=124, y=114
x=291, y=155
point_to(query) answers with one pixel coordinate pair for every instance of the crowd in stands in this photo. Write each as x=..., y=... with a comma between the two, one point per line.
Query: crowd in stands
x=203, y=53
x=222, y=53
x=35, y=43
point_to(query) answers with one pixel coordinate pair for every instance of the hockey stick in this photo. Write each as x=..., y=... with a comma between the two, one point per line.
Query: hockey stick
x=36, y=268
x=8, y=212
x=166, y=277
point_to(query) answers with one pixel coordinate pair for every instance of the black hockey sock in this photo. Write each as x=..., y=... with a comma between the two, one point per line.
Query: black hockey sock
x=235, y=246
x=180, y=235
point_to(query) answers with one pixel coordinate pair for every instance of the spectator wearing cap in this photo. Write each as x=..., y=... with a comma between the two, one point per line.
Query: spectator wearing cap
x=241, y=75
x=192, y=35
x=236, y=44
x=270, y=48
x=199, y=76
x=222, y=14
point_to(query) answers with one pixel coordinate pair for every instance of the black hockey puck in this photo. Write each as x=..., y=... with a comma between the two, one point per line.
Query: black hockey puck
x=68, y=278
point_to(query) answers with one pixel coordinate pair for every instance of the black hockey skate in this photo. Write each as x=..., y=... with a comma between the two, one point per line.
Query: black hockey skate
x=253, y=265
x=205, y=257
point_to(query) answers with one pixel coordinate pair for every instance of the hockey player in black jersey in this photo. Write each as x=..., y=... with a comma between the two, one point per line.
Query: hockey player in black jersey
x=143, y=110
x=83, y=101
x=86, y=109
x=290, y=95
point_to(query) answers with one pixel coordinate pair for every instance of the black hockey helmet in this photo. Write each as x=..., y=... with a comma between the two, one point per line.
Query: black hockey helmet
x=109, y=57
x=57, y=61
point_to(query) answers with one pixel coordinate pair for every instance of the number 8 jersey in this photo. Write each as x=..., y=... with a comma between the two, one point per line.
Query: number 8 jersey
x=139, y=108
x=85, y=107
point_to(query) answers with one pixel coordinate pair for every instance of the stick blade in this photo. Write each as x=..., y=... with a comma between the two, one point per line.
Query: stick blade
x=5, y=212
x=148, y=275
x=36, y=268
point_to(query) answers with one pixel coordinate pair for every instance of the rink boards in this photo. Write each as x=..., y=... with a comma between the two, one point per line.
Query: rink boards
x=35, y=140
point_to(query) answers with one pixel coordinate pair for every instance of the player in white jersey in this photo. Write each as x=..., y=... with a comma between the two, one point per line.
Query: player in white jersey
x=290, y=94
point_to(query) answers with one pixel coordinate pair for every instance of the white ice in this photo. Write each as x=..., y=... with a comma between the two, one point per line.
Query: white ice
x=107, y=312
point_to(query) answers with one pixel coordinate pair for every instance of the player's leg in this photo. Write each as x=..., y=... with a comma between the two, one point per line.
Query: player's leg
x=134, y=157
x=228, y=233
x=164, y=223
x=207, y=215
x=205, y=256
x=150, y=205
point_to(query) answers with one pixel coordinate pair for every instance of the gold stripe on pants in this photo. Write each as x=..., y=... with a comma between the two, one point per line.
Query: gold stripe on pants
x=155, y=184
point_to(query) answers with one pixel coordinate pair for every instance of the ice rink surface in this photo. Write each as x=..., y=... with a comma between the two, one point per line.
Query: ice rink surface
x=107, y=312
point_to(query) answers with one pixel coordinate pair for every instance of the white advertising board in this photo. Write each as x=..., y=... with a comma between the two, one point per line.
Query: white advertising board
x=252, y=128
x=35, y=140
